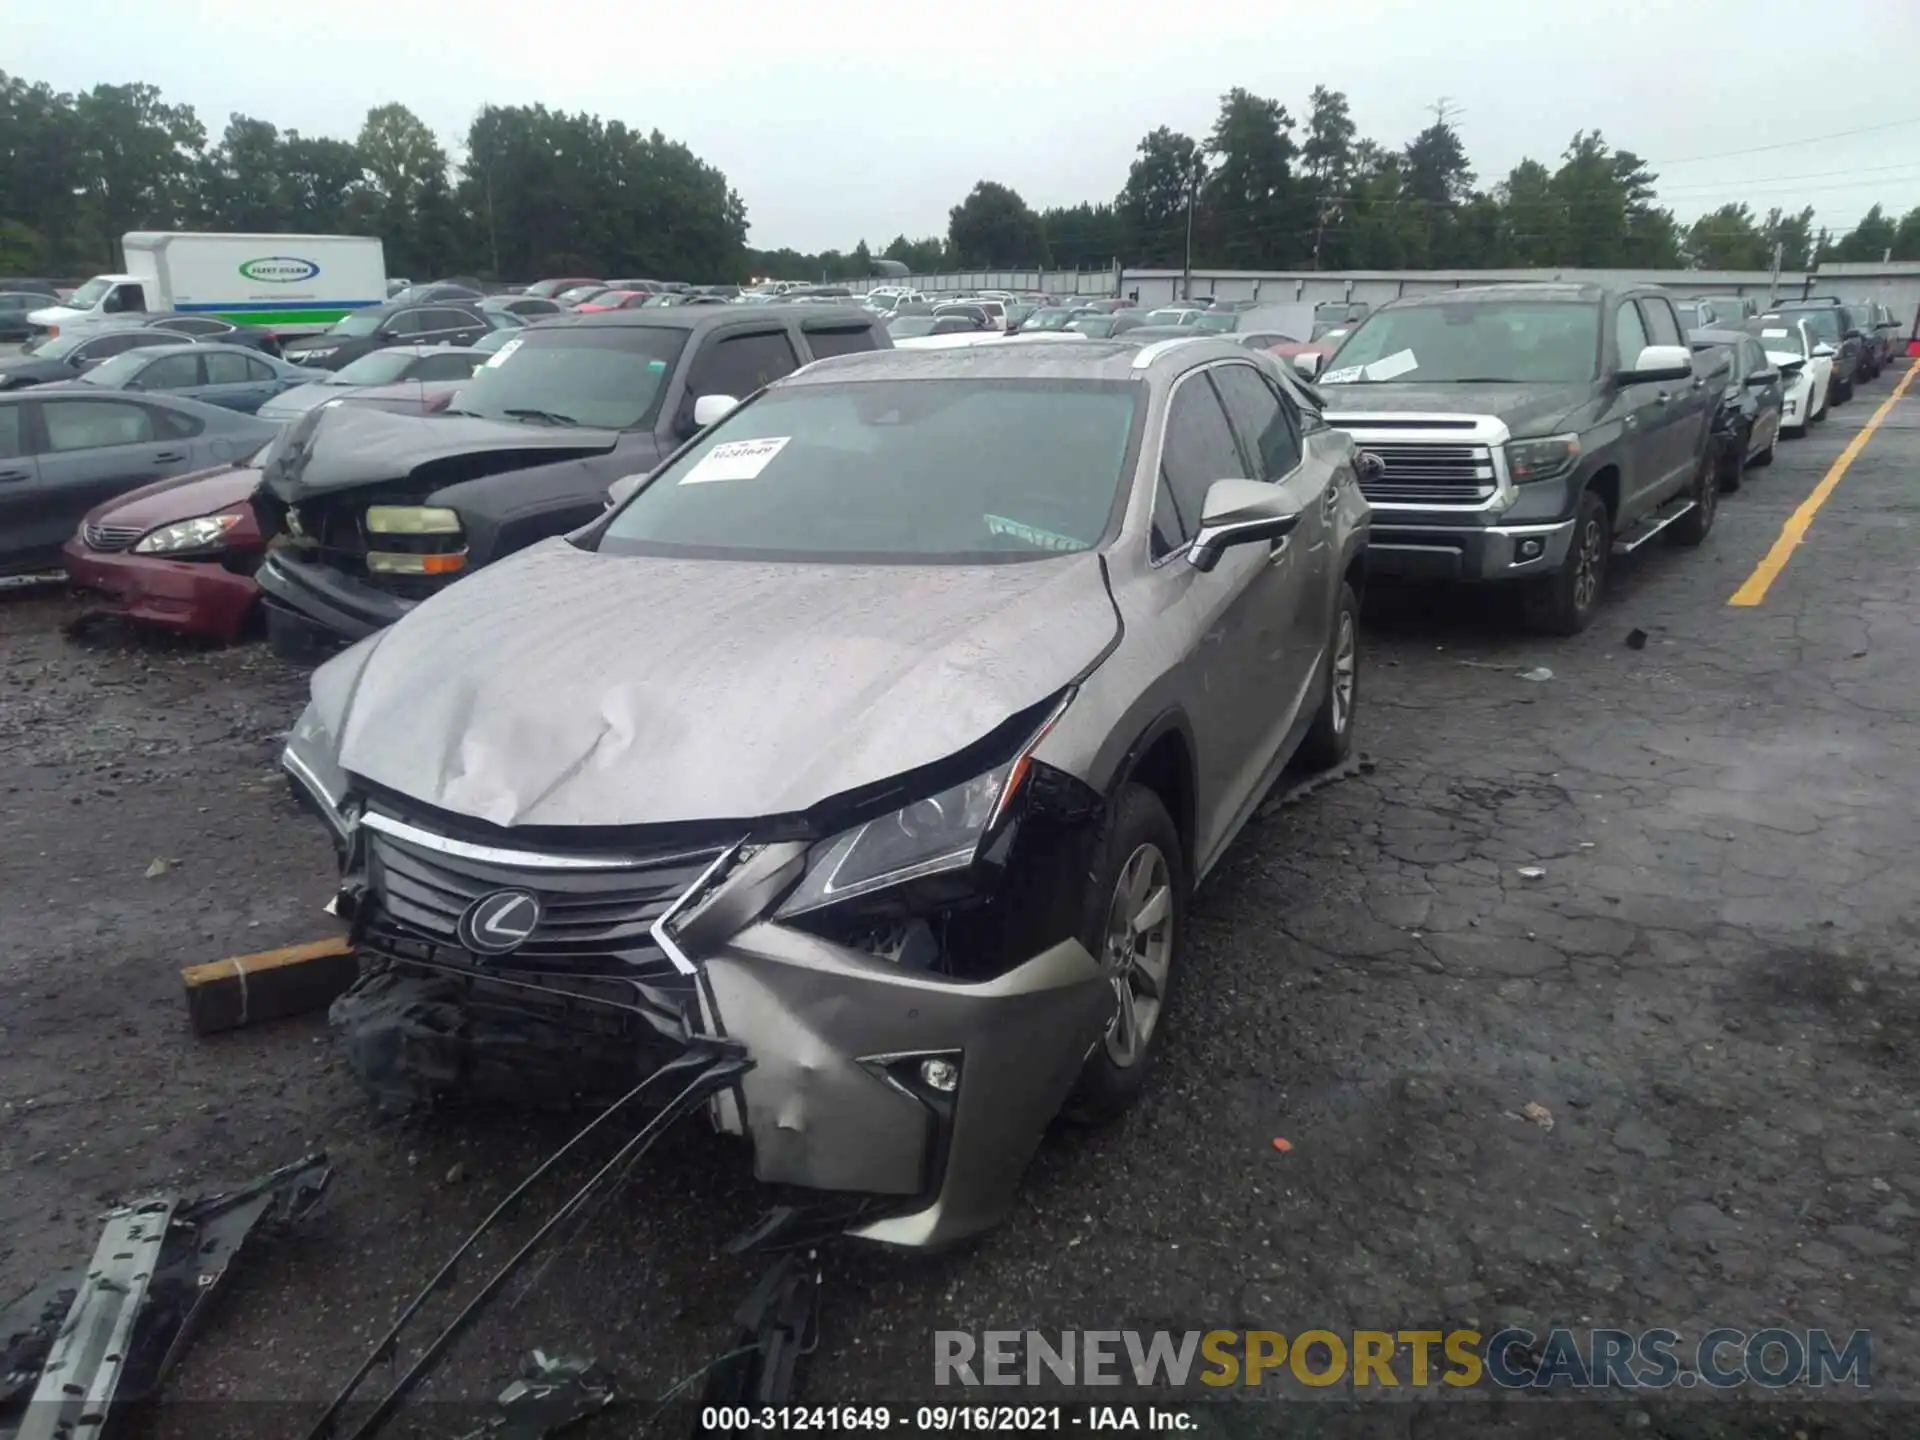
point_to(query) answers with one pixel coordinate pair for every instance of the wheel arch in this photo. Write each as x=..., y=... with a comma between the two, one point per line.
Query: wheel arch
x=1162, y=758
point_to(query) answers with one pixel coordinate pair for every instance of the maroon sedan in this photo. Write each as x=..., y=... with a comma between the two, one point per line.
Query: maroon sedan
x=179, y=553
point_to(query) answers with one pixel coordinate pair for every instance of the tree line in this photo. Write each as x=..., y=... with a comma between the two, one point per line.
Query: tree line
x=536, y=192
x=547, y=192
x=1264, y=191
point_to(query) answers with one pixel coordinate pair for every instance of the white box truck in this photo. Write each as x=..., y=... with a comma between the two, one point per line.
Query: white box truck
x=290, y=284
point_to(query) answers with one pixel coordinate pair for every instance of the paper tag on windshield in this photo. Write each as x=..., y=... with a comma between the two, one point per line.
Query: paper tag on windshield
x=1773, y=334
x=499, y=356
x=1388, y=366
x=735, y=460
x=1345, y=375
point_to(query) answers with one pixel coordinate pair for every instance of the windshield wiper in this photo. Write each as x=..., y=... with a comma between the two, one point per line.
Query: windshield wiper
x=528, y=412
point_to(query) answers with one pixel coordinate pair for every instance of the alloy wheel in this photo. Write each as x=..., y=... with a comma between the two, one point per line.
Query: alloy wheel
x=1345, y=668
x=1589, y=563
x=1139, y=952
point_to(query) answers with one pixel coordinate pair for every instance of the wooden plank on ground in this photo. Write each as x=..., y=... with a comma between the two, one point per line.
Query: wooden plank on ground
x=270, y=985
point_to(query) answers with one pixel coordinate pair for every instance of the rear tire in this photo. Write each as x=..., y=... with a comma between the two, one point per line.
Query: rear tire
x=1329, y=740
x=1139, y=875
x=1564, y=602
x=1692, y=528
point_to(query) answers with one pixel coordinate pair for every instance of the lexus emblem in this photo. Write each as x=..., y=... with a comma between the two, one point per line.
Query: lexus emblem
x=499, y=923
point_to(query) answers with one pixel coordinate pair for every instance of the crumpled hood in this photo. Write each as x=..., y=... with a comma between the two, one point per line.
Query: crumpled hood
x=565, y=687
x=180, y=497
x=1525, y=409
x=342, y=447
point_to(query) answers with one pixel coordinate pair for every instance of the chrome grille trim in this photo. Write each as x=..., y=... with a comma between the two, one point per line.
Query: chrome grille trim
x=1434, y=461
x=110, y=538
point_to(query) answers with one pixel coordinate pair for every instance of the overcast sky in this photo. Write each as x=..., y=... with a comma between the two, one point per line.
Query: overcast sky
x=837, y=121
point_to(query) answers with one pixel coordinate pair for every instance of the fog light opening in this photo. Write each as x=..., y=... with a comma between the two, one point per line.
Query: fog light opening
x=1532, y=549
x=940, y=1074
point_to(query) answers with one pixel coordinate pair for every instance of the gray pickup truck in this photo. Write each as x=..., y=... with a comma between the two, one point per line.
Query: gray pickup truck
x=1527, y=434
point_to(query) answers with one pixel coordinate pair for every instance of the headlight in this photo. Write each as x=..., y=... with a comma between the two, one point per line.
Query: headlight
x=206, y=533
x=941, y=833
x=308, y=758
x=1542, y=459
x=412, y=520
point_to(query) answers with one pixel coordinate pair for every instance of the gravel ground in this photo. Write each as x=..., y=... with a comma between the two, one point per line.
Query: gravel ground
x=1710, y=991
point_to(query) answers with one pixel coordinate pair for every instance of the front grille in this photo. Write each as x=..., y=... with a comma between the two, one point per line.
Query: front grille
x=1431, y=473
x=111, y=537
x=588, y=917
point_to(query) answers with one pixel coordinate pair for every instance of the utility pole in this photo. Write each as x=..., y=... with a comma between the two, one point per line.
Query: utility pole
x=1193, y=189
x=1773, y=280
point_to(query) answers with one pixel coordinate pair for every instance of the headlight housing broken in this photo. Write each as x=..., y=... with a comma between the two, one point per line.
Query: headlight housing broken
x=941, y=833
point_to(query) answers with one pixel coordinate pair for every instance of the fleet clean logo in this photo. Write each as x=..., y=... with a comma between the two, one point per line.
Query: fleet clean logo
x=279, y=270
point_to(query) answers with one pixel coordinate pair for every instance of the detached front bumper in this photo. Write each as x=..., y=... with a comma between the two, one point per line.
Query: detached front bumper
x=315, y=608
x=193, y=597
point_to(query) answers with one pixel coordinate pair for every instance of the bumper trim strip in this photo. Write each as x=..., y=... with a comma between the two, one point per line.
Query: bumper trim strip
x=530, y=859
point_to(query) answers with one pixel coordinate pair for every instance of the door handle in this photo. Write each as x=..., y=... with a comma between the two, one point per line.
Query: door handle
x=1633, y=422
x=1663, y=398
x=167, y=457
x=10, y=476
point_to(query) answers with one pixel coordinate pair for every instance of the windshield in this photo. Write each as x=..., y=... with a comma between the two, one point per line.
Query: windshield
x=952, y=471
x=1047, y=320
x=491, y=341
x=1523, y=341
x=1823, y=320
x=1783, y=340
x=88, y=295
x=905, y=327
x=58, y=348
x=1217, y=324
x=360, y=322
x=1098, y=326
x=611, y=378
x=382, y=367
x=115, y=373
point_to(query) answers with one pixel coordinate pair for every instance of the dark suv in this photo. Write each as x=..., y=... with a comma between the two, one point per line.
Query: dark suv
x=370, y=512
x=361, y=332
x=1526, y=434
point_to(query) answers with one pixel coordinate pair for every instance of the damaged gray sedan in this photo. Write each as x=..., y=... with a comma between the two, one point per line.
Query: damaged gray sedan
x=878, y=737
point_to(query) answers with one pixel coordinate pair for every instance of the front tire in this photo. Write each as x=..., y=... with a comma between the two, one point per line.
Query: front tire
x=1733, y=463
x=1134, y=922
x=1564, y=602
x=1329, y=740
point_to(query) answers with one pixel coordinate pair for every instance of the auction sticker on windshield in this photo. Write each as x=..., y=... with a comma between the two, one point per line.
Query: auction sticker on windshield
x=735, y=460
x=1389, y=366
x=500, y=355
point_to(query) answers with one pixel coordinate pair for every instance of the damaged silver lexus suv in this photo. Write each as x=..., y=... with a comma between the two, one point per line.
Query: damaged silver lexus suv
x=876, y=739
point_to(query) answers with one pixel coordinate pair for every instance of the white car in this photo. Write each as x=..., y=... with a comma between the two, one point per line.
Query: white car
x=1785, y=341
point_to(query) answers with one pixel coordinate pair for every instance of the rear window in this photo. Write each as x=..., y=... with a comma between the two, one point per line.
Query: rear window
x=611, y=377
x=956, y=472
x=382, y=367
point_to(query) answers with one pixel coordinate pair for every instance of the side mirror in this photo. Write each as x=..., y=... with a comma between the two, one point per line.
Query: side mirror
x=1308, y=364
x=1824, y=350
x=711, y=409
x=1239, y=512
x=620, y=489
x=1659, y=362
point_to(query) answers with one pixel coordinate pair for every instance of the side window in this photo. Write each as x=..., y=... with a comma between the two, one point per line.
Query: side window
x=840, y=342
x=173, y=424
x=1631, y=334
x=742, y=364
x=1661, y=325
x=173, y=372
x=407, y=322
x=133, y=298
x=1197, y=450
x=455, y=366
x=1264, y=421
x=257, y=370
x=94, y=424
x=437, y=320
x=13, y=443
x=225, y=369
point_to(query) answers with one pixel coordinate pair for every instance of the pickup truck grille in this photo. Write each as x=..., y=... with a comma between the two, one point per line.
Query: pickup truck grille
x=1431, y=473
x=111, y=537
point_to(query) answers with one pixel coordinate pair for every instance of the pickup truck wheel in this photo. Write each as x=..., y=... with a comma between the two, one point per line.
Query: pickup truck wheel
x=1134, y=923
x=1562, y=603
x=1330, y=738
x=1690, y=529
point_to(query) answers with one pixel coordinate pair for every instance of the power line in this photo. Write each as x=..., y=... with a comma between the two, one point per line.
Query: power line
x=1789, y=144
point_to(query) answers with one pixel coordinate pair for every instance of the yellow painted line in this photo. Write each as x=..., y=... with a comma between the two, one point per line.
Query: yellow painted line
x=1795, y=530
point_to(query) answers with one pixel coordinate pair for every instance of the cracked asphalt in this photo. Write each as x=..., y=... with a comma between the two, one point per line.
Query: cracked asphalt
x=1666, y=898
